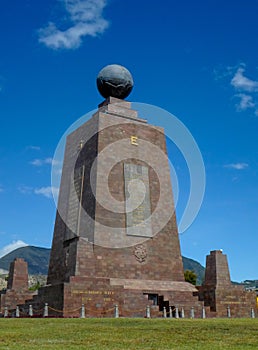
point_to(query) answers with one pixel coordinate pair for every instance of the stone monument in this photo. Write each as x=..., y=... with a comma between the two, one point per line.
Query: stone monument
x=218, y=292
x=115, y=241
x=115, y=244
x=17, y=291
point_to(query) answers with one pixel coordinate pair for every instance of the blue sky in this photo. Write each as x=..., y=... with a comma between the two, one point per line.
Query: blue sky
x=195, y=59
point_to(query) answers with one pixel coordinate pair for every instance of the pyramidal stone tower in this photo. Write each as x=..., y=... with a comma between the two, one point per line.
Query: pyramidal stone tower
x=17, y=291
x=115, y=239
x=223, y=297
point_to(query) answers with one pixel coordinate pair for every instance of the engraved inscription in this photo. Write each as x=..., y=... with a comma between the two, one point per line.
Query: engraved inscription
x=74, y=205
x=88, y=295
x=137, y=195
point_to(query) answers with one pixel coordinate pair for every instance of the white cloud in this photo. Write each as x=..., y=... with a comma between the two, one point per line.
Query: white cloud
x=237, y=166
x=221, y=72
x=242, y=83
x=47, y=191
x=12, y=246
x=1, y=189
x=40, y=162
x=245, y=89
x=86, y=18
x=245, y=102
x=25, y=189
x=35, y=148
x=57, y=171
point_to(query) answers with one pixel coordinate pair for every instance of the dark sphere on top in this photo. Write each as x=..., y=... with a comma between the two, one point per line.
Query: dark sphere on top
x=114, y=80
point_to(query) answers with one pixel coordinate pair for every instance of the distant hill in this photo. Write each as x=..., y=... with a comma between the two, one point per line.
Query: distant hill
x=38, y=259
x=193, y=265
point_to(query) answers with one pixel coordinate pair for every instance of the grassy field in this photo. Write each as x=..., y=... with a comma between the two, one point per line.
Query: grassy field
x=133, y=334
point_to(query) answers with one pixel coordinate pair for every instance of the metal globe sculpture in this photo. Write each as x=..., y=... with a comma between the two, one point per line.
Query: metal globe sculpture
x=114, y=80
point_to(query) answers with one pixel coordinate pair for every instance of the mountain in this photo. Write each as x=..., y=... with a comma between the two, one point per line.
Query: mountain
x=38, y=258
x=193, y=265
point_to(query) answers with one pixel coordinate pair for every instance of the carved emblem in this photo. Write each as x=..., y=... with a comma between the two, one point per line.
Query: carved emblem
x=140, y=253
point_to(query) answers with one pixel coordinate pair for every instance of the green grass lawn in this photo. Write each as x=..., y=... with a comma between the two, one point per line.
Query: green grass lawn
x=133, y=334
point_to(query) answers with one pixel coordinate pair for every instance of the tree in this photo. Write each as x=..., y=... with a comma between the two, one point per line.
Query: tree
x=35, y=287
x=190, y=276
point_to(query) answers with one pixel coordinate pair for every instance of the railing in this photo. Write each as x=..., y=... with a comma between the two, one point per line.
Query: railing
x=83, y=312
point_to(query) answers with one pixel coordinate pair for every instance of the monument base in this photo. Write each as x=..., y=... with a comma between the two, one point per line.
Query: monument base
x=100, y=296
x=131, y=297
